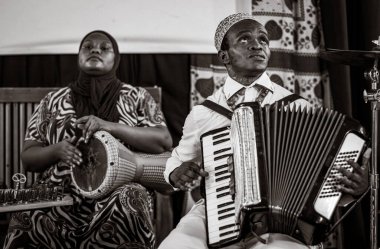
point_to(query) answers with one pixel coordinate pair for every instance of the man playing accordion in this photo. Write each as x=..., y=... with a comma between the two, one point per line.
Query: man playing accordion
x=243, y=47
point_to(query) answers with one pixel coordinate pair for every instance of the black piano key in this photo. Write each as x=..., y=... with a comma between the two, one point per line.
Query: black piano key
x=220, y=141
x=222, y=194
x=222, y=188
x=222, y=178
x=225, y=216
x=225, y=204
x=221, y=172
x=227, y=226
x=226, y=210
x=221, y=151
x=221, y=157
x=220, y=135
x=221, y=167
x=227, y=233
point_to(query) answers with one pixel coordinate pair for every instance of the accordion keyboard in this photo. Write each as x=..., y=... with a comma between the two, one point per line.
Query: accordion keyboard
x=329, y=196
x=220, y=207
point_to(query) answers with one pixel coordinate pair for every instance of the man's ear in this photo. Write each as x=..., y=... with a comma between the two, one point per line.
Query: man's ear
x=224, y=57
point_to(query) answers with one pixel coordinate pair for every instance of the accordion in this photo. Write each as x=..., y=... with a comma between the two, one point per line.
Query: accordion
x=284, y=168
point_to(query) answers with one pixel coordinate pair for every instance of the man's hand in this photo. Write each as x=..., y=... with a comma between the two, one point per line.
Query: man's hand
x=356, y=182
x=230, y=163
x=184, y=176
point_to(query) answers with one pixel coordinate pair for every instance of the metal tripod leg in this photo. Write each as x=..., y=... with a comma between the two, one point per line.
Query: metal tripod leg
x=374, y=97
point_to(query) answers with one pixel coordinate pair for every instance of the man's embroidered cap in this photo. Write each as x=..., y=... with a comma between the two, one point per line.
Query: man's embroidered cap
x=226, y=24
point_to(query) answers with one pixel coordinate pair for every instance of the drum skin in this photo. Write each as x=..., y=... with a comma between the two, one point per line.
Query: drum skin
x=108, y=164
x=92, y=171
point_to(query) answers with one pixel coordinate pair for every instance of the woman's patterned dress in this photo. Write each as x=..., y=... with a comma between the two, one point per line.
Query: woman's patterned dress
x=120, y=220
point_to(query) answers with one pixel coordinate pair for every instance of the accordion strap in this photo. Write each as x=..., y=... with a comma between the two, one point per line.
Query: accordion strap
x=217, y=108
x=289, y=99
x=228, y=114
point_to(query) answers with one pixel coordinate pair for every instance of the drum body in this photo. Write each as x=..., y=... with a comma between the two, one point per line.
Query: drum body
x=108, y=164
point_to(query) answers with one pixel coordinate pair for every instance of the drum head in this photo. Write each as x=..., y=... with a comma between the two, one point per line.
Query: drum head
x=90, y=174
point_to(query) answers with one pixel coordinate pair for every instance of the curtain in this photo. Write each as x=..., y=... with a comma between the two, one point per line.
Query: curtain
x=352, y=25
x=207, y=75
x=169, y=71
x=295, y=40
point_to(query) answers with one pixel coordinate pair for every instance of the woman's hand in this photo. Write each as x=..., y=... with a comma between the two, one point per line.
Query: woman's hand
x=91, y=124
x=67, y=152
x=37, y=157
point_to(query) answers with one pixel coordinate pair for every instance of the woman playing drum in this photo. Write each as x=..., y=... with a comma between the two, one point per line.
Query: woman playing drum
x=96, y=101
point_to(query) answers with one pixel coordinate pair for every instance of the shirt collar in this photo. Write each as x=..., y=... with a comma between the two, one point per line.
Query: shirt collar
x=231, y=86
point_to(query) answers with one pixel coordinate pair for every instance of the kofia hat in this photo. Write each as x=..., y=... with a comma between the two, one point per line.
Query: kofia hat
x=226, y=24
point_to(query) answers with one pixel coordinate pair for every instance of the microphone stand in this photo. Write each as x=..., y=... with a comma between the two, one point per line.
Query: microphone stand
x=373, y=97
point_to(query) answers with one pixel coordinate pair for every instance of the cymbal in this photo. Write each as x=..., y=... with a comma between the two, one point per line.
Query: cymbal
x=350, y=57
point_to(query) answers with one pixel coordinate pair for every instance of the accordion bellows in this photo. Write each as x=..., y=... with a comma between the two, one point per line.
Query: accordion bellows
x=285, y=171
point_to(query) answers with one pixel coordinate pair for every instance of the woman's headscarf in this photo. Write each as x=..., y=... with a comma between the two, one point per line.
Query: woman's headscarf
x=98, y=94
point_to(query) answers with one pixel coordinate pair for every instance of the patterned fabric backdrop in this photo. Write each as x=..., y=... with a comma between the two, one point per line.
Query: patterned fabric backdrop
x=207, y=75
x=295, y=40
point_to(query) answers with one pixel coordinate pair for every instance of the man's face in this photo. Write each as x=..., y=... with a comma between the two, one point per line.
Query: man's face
x=248, y=51
x=96, y=56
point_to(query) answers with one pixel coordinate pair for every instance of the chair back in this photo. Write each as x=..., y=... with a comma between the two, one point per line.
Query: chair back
x=17, y=105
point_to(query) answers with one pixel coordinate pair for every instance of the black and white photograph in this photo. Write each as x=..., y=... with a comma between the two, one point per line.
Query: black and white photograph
x=174, y=124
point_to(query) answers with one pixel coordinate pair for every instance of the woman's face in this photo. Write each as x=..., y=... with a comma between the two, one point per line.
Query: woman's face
x=96, y=56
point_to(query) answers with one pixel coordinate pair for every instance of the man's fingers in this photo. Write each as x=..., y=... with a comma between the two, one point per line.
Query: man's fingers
x=187, y=181
x=194, y=167
x=180, y=179
x=345, y=172
x=366, y=157
x=183, y=185
x=230, y=160
x=197, y=169
x=189, y=175
x=354, y=165
x=348, y=182
x=345, y=190
x=203, y=173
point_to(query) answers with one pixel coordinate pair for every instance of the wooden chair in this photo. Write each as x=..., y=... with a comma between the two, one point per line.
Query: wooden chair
x=16, y=107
